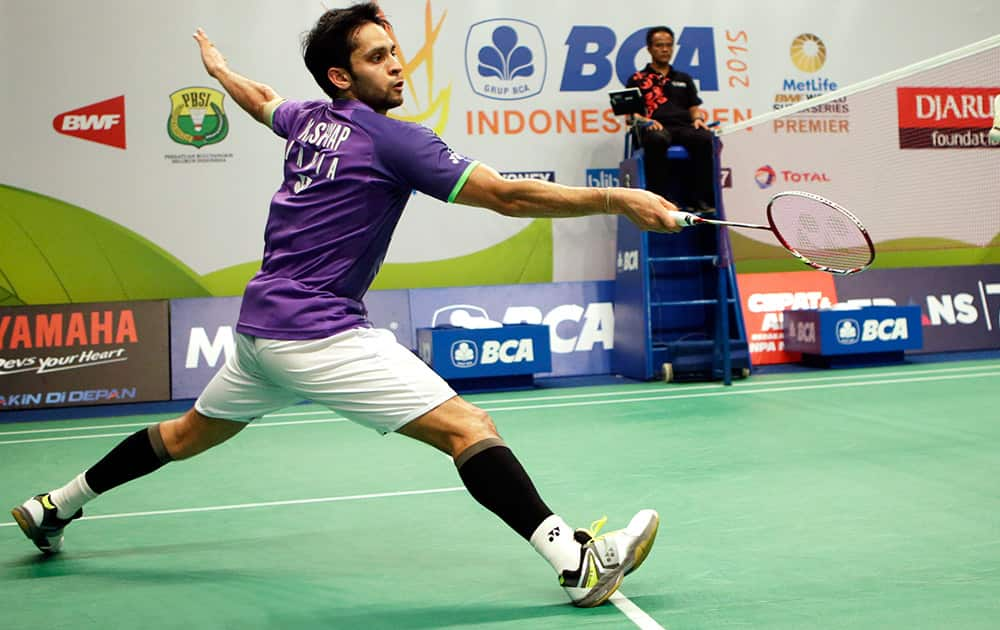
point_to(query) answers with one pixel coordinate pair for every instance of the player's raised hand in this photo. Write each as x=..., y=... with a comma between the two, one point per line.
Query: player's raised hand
x=214, y=62
x=647, y=210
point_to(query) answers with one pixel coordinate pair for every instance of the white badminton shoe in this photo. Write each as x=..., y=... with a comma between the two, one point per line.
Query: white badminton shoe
x=39, y=520
x=605, y=560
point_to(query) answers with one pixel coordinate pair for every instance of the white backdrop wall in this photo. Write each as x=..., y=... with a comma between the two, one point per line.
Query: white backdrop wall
x=207, y=206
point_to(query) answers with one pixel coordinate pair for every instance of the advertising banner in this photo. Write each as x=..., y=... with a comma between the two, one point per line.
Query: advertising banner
x=83, y=354
x=960, y=306
x=766, y=296
x=463, y=353
x=580, y=317
x=202, y=334
x=865, y=330
x=145, y=173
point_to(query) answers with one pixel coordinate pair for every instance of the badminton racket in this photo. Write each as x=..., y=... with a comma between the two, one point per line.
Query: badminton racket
x=817, y=231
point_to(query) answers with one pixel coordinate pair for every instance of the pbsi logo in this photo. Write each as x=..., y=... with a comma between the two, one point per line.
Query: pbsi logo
x=102, y=122
x=197, y=117
x=505, y=59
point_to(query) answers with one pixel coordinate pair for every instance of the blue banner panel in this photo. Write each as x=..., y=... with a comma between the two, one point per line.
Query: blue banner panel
x=202, y=334
x=960, y=306
x=866, y=330
x=580, y=317
x=69, y=355
x=468, y=353
x=201, y=338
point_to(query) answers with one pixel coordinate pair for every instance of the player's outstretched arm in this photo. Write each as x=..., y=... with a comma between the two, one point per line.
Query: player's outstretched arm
x=485, y=188
x=256, y=98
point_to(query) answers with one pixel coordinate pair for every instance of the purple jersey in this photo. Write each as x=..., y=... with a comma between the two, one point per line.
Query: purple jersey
x=348, y=175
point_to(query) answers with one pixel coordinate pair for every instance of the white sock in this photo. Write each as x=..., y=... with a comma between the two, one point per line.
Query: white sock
x=553, y=539
x=72, y=496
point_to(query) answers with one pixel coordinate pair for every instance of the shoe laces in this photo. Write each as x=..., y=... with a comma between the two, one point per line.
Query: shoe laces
x=596, y=526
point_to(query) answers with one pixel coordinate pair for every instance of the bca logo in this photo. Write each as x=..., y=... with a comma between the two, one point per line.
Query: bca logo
x=848, y=332
x=505, y=59
x=892, y=329
x=884, y=330
x=464, y=353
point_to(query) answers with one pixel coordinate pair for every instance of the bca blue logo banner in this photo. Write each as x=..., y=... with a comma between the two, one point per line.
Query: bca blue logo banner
x=505, y=59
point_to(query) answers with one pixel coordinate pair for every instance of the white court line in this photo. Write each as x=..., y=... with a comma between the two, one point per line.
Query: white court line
x=635, y=614
x=719, y=391
x=246, y=506
x=766, y=383
x=529, y=399
x=625, y=605
x=745, y=392
x=141, y=424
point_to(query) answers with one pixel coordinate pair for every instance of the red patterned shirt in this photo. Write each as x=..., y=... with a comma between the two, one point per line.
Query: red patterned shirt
x=668, y=97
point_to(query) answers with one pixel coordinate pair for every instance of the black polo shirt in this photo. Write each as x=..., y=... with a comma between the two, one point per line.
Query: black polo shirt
x=668, y=97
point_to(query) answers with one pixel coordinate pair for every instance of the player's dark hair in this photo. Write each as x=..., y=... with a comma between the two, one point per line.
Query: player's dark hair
x=330, y=43
x=654, y=31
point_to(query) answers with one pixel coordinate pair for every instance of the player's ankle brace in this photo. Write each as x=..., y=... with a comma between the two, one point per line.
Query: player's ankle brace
x=139, y=454
x=497, y=480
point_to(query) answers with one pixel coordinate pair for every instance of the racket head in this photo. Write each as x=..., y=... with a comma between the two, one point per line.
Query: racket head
x=820, y=233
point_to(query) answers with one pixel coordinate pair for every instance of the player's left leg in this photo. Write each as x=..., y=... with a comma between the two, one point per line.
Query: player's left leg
x=43, y=517
x=238, y=392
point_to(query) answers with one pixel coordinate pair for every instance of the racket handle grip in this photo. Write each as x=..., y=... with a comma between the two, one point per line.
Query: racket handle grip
x=683, y=219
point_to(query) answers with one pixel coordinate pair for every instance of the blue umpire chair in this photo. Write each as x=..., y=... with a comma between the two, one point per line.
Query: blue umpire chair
x=677, y=309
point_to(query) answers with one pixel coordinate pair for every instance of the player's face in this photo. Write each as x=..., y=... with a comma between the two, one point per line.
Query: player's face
x=377, y=74
x=661, y=49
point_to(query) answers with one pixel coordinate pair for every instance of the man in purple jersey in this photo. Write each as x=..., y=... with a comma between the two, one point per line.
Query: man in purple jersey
x=303, y=330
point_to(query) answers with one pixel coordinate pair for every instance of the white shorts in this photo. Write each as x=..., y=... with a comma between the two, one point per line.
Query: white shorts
x=363, y=374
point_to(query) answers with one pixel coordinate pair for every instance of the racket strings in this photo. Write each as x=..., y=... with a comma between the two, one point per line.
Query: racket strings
x=821, y=234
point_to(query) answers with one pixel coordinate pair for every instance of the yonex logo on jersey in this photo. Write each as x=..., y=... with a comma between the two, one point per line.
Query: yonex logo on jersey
x=102, y=122
x=505, y=59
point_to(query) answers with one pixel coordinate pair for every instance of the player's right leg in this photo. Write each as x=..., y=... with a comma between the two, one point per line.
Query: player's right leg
x=590, y=567
x=236, y=395
x=368, y=377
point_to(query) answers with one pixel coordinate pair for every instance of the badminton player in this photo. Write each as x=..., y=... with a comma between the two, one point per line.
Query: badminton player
x=303, y=332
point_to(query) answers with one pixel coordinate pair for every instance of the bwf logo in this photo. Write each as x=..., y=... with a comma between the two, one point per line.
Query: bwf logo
x=505, y=59
x=102, y=122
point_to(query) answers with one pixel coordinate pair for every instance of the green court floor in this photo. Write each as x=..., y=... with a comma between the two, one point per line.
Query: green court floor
x=827, y=499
